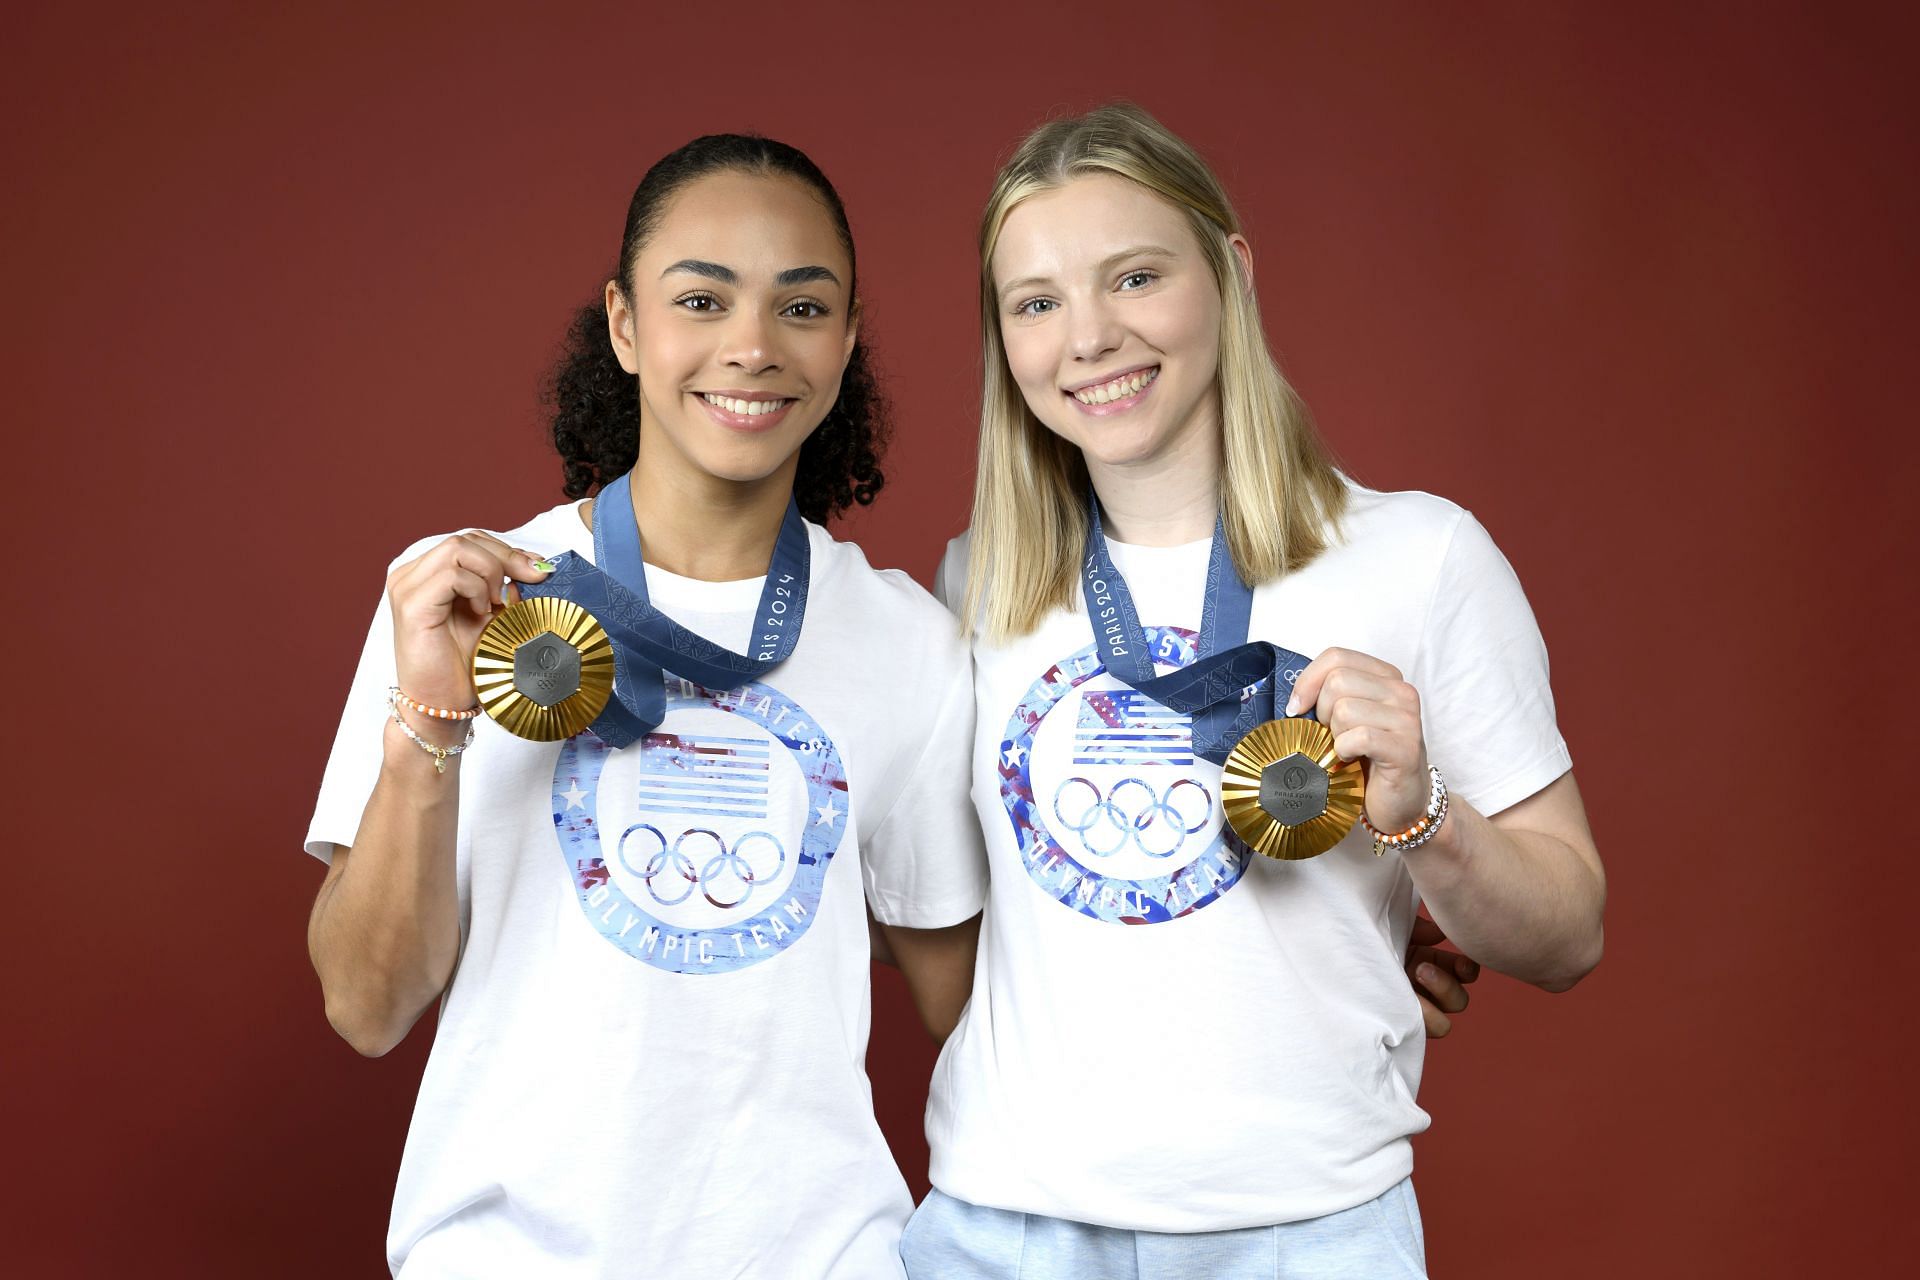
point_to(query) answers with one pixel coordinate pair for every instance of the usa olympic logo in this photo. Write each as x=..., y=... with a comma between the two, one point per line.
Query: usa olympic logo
x=1112, y=814
x=1157, y=823
x=704, y=894
x=672, y=872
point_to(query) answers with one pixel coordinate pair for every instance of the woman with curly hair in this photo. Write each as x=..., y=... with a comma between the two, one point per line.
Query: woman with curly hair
x=649, y=943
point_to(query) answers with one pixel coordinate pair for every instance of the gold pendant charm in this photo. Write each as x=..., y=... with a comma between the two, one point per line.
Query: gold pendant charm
x=543, y=669
x=1287, y=794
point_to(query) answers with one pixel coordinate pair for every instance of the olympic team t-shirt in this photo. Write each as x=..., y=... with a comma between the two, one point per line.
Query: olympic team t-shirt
x=1169, y=1032
x=650, y=1060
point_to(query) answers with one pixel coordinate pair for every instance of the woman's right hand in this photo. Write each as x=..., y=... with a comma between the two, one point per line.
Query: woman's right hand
x=441, y=602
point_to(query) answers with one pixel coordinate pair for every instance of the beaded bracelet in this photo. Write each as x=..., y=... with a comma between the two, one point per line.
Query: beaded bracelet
x=434, y=749
x=421, y=708
x=1420, y=832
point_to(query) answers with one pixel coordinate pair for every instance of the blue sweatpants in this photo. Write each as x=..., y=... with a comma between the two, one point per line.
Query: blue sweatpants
x=949, y=1239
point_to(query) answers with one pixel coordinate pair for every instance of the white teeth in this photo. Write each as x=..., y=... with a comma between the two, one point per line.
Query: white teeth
x=1118, y=389
x=747, y=408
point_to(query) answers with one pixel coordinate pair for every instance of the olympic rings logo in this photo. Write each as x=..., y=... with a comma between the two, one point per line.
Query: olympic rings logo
x=1154, y=821
x=725, y=871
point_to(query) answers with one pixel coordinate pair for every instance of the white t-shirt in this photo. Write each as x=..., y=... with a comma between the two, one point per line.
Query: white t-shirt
x=648, y=1063
x=1169, y=1032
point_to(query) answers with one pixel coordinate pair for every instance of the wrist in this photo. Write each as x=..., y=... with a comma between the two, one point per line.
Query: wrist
x=1445, y=844
x=410, y=774
x=401, y=743
x=434, y=691
x=1425, y=828
x=442, y=733
x=435, y=736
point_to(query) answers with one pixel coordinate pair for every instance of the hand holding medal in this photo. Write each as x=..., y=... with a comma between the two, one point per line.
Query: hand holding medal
x=1373, y=715
x=441, y=602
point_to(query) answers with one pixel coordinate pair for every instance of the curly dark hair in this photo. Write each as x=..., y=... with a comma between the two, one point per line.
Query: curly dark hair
x=596, y=403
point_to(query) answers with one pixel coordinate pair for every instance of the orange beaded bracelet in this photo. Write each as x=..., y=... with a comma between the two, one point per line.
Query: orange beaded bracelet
x=438, y=713
x=439, y=753
x=1420, y=832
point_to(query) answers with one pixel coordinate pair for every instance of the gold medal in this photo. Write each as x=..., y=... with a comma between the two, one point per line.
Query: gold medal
x=543, y=669
x=1287, y=794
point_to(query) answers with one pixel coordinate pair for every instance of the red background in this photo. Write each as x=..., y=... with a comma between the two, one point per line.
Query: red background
x=1636, y=287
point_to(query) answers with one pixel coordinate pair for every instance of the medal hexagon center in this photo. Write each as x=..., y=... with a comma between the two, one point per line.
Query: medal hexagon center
x=1293, y=789
x=546, y=669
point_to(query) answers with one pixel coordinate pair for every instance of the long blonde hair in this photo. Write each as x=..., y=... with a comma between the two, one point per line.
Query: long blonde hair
x=1280, y=495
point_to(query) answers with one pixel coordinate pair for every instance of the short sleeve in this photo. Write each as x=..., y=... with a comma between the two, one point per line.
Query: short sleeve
x=353, y=767
x=926, y=863
x=950, y=579
x=1481, y=671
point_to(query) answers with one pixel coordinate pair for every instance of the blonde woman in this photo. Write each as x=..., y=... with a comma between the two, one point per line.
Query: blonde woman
x=1182, y=1058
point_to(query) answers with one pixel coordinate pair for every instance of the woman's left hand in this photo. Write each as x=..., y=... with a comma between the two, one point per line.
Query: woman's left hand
x=1374, y=715
x=1439, y=977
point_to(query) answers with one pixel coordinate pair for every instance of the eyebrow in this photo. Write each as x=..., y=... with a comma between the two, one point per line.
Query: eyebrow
x=711, y=270
x=804, y=275
x=1105, y=265
x=727, y=275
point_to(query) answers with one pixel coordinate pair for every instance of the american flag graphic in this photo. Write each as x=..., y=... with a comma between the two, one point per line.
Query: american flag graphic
x=715, y=777
x=1124, y=726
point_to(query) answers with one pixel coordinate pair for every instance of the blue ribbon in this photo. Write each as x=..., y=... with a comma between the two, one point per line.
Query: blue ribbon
x=1213, y=689
x=646, y=641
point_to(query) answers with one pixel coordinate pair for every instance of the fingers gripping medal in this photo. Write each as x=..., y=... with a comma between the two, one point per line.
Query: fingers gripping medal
x=1284, y=789
x=543, y=669
x=1287, y=793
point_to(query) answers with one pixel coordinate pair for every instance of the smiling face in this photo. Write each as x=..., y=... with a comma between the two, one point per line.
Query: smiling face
x=738, y=323
x=1110, y=317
